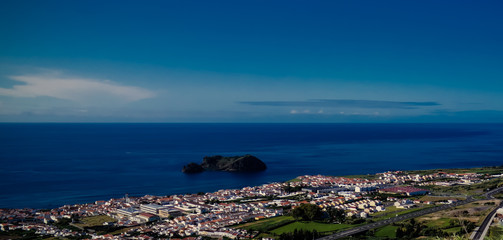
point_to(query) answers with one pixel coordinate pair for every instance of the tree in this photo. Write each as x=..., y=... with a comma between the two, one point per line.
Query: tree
x=312, y=212
x=307, y=212
x=298, y=213
x=300, y=235
x=337, y=215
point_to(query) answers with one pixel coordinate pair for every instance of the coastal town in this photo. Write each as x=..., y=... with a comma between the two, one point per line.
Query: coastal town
x=227, y=212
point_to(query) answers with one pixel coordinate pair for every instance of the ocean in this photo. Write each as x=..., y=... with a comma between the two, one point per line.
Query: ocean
x=47, y=165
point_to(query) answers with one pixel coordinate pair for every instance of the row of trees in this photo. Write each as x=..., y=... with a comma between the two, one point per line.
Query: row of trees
x=412, y=229
x=300, y=235
x=311, y=212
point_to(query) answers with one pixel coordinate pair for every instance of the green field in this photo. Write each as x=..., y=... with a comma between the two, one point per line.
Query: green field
x=439, y=198
x=266, y=224
x=453, y=230
x=388, y=210
x=363, y=176
x=386, y=232
x=481, y=170
x=394, y=214
x=285, y=224
x=440, y=223
x=294, y=180
x=94, y=221
x=310, y=226
x=474, y=189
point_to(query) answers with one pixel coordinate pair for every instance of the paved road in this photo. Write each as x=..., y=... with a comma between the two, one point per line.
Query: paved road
x=382, y=223
x=394, y=219
x=481, y=232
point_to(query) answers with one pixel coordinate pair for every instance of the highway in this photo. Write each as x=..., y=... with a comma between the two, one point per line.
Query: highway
x=382, y=223
x=484, y=227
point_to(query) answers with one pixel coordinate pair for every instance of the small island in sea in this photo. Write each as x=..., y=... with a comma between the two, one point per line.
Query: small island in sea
x=246, y=163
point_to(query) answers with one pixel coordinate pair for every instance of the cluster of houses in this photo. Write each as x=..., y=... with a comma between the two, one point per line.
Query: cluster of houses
x=182, y=218
x=41, y=229
x=498, y=218
x=438, y=178
x=214, y=214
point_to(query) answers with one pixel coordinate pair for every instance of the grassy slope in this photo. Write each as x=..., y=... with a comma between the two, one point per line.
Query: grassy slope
x=266, y=224
x=320, y=227
x=386, y=232
x=482, y=170
x=95, y=221
x=394, y=214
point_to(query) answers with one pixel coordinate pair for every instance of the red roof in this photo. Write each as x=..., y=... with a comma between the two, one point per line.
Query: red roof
x=149, y=215
x=403, y=189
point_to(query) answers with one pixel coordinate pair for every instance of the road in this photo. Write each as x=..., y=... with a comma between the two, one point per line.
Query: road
x=482, y=231
x=383, y=223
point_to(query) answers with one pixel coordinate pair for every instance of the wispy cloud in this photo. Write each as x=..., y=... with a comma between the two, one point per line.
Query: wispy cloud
x=345, y=103
x=81, y=90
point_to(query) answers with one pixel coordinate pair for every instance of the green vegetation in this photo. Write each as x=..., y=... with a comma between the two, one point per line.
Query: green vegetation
x=390, y=209
x=439, y=198
x=453, y=237
x=310, y=226
x=440, y=223
x=19, y=234
x=395, y=213
x=475, y=189
x=290, y=189
x=94, y=221
x=266, y=224
x=309, y=220
x=336, y=215
x=495, y=232
x=310, y=212
x=498, y=195
x=65, y=223
x=285, y=225
x=307, y=212
x=119, y=231
x=442, y=227
x=453, y=230
x=363, y=176
x=294, y=180
x=481, y=170
x=412, y=229
x=300, y=235
x=23, y=234
x=386, y=232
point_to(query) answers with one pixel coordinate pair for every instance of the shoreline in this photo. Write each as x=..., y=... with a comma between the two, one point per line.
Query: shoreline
x=374, y=201
x=363, y=176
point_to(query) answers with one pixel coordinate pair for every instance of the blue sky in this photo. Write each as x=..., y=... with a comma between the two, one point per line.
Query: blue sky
x=251, y=61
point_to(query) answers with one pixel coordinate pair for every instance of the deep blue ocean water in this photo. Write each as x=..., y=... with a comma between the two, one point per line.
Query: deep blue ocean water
x=47, y=165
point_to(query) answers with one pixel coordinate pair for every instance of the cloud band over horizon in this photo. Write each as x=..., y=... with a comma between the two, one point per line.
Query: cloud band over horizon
x=353, y=103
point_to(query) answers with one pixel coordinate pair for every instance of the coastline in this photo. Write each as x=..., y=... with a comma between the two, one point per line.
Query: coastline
x=375, y=200
x=483, y=170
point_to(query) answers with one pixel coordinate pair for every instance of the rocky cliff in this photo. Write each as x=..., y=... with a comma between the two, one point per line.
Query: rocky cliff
x=192, y=168
x=246, y=163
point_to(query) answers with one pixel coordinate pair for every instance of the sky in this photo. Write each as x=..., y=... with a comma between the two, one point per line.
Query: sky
x=251, y=61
